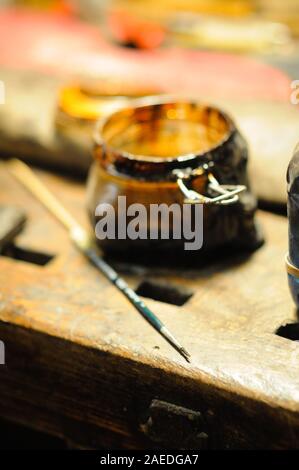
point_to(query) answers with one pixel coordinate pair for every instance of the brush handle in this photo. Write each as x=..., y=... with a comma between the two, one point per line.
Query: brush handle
x=24, y=174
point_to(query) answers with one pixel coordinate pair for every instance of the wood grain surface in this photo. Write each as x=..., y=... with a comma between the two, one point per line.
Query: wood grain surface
x=82, y=364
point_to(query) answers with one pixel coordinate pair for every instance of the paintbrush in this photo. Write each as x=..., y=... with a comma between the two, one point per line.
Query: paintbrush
x=85, y=242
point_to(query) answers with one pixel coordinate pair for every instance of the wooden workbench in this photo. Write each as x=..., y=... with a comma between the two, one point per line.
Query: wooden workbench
x=83, y=365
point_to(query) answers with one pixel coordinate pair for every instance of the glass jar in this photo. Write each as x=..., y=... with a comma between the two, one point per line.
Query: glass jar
x=173, y=152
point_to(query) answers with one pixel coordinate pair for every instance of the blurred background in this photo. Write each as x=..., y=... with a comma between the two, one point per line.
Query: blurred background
x=245, y=26
x=65, y=63
x=268, y=29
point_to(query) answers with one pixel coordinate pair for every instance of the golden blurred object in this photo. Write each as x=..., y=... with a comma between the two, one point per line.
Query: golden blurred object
x=81, y=105
x=246, y=26
x=91, y=101
x=146, y=8
x=286, y=12
x=245, y=35
x=63, y=6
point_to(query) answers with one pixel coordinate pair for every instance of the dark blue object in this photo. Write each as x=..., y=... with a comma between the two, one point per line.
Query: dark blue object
x=293, y=215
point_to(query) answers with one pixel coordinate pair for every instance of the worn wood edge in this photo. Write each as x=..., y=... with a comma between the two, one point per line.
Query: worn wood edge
x=12, y=312
x=177, y=367
x=245, y=414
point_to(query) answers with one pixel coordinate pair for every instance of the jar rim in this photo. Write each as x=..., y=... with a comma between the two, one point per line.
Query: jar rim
x=169, y=162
